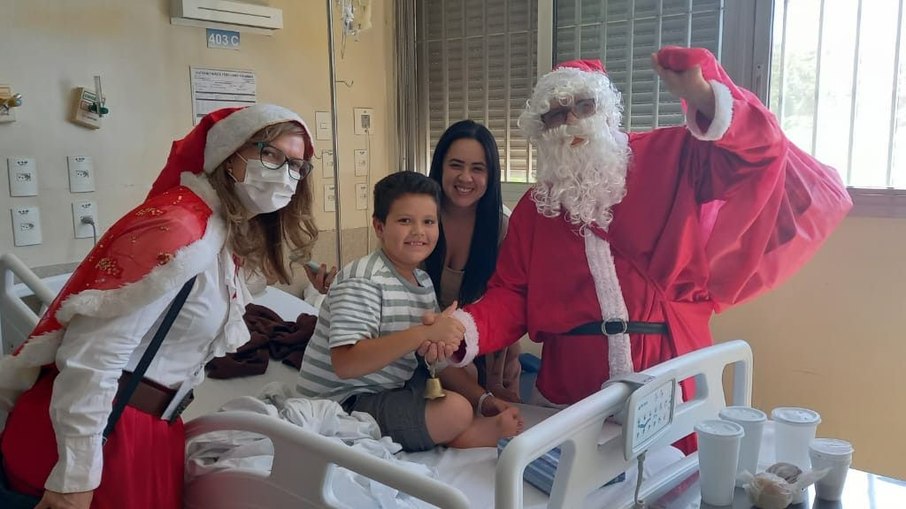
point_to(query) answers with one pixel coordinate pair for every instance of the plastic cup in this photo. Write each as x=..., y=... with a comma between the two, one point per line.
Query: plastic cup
x=837, y=455
x=752, y=421
x=794, y=430
x=718, y=455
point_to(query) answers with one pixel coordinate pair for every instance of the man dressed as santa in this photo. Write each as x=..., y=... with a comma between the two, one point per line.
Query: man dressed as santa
x=628, y=243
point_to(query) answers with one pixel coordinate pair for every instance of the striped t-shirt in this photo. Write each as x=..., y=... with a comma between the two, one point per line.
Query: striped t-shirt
x=368, y=299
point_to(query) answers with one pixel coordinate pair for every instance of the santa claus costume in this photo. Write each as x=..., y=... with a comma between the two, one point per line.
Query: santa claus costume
x=57, y=390
x=653, y=232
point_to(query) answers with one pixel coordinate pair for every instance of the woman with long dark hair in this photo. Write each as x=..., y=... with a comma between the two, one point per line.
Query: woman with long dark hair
x=466, y=164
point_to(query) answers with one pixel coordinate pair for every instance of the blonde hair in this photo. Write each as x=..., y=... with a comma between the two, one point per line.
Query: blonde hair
x=266, y=242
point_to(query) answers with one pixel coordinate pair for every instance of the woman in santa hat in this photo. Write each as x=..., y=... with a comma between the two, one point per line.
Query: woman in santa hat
x=231, y=200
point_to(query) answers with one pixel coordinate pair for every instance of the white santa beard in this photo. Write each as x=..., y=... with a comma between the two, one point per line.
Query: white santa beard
x=583, y=180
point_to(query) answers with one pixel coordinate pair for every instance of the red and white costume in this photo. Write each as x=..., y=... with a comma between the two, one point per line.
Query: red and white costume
x=103, y=320
x=714, y=214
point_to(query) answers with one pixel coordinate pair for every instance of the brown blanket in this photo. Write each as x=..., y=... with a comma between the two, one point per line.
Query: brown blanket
x=271, y=337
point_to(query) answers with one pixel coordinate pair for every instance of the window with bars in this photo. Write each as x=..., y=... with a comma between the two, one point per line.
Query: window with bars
x=624, y=33
x=837, y=85
x=478, y=61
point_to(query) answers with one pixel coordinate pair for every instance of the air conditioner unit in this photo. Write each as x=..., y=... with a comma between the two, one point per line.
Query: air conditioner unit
x=226, y=14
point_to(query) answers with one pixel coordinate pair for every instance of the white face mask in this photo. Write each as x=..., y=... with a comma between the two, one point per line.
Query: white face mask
x=265, y=190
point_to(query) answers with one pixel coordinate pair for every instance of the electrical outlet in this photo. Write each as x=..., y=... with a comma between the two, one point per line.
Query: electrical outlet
x=322, y=125
x=83, y=98
x=84, y=209
x=330, y=201
x=327, y=164
x=26, y=226
x=23, y=176
x=364, y=120
x=361, y=162
x=361, y=196
x=81, y=174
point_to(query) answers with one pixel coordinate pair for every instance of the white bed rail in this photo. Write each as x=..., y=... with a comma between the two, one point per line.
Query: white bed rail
x=590, y=455
x=17, y=319
x=301, y=471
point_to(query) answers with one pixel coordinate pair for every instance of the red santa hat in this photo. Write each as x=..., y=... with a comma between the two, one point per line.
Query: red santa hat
x=587, y=65
x=217, y=136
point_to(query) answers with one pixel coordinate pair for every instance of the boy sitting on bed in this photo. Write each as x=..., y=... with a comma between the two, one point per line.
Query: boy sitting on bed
x=362, y=354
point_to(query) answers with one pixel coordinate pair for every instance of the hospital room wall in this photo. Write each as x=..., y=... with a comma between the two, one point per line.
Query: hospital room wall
x=832, y=339
x=47, y=48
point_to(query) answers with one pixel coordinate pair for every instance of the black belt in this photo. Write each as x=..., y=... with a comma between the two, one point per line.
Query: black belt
x=614, y=327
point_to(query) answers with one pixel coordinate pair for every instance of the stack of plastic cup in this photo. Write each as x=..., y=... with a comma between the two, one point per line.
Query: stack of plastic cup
x=836, y=455
x=718, y=455
x=794, y=430
x=752, y=421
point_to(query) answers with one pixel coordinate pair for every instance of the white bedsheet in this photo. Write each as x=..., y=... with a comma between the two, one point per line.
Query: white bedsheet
x=473, y=471
x=213, y=452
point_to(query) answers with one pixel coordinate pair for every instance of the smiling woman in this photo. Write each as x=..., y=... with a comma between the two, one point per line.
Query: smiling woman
x=467, y=165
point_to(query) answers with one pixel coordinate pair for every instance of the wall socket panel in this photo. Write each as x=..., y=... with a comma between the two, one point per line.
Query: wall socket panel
x=364, y=120
x=361, y=196
x=81, y=174
x=23, y=176
x=26, y=226
x=82, y=209
x=361, y=162
x=327, y=164
x=330, y=199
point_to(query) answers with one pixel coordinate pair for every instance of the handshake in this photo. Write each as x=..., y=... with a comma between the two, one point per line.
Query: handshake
x=443, y=334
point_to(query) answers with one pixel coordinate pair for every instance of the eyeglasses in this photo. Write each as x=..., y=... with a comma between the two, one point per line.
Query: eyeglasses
x=556, y=117
x=273, y=159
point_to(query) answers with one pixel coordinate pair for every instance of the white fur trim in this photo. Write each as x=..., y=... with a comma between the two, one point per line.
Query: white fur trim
x=186, y=262
x=723, y=114
x=610, y=299
x=199, y=184
x=226, y=136
x=471, y=338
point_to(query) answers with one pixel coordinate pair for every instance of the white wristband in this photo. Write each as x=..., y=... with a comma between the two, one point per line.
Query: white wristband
x=481, y=399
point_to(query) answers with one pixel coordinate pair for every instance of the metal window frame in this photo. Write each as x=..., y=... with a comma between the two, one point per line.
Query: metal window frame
x=886, y=202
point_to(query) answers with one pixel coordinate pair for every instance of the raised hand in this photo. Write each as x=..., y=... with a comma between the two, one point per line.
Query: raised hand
x=681, y=71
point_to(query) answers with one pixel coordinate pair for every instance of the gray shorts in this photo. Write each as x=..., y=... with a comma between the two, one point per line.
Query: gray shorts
x=400, y=413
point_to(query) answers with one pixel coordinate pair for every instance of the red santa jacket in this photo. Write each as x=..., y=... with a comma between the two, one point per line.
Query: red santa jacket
x=151, y=251
x=710, y=219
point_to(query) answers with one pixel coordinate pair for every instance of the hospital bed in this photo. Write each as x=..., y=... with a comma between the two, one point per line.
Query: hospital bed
x=304, y=462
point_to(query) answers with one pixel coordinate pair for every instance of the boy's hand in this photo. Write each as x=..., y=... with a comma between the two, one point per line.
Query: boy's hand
x=444, y=335
x=436, y=352
x=451, y=330
x=446, y=329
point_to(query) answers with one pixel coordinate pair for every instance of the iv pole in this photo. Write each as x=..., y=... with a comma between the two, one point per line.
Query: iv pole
x=334, y=129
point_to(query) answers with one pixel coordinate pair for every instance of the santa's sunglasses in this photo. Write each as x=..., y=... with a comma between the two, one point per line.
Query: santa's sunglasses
x=556, y=117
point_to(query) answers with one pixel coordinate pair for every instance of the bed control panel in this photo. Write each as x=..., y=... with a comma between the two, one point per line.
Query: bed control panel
x=649, y=411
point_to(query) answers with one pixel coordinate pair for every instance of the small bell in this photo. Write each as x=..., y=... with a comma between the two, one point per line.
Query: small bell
x=433, y=389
